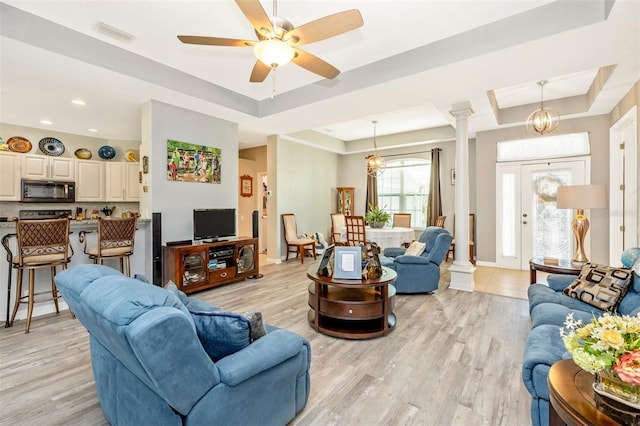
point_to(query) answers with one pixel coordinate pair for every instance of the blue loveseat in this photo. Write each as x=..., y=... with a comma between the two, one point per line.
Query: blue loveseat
x=151, y=367
x=419, y=274
x=548, y=308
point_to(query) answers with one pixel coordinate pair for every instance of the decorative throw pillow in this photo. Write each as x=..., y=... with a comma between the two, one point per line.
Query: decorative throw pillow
x=416, y=248
x=221, y=332
x=600, y=286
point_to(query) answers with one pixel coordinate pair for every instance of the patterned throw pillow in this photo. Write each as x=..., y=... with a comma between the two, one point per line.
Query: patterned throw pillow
x=600, y=286
x=416, y=248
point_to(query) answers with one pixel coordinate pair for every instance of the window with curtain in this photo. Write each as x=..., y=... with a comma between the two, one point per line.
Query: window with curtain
x=404, y=188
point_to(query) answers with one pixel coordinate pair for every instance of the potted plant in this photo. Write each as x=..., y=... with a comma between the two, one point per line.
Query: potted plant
x=376, y=217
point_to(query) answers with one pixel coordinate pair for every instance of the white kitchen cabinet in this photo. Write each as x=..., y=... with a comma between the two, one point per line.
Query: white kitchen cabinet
x=10, y=181
x=90, y=180
x=122, y=181
x=46, y=167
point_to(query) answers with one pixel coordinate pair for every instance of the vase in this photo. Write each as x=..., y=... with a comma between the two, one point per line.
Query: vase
x=608, y=382
x=377, y=224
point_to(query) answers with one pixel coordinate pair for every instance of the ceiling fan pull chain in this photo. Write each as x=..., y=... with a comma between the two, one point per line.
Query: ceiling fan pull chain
x=273, y=88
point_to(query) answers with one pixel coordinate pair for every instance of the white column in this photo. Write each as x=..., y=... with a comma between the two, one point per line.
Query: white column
x=462, y=270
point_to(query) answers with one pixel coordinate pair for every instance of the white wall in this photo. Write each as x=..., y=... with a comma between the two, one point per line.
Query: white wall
x=246, y=205
x=176, y=200
x=303, y=181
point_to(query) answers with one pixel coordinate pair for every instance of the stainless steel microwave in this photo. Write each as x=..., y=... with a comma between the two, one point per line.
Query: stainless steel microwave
x=46, y=191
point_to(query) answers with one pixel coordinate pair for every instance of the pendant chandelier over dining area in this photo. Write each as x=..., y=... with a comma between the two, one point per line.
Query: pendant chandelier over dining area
x=375, y=163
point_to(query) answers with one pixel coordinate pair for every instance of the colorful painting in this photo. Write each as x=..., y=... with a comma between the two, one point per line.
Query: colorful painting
x=189, y=162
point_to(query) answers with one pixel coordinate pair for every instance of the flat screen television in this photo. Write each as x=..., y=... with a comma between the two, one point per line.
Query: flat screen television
x=214, y=224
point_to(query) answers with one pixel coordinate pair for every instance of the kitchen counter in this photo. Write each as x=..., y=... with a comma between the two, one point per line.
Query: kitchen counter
x=141, y=263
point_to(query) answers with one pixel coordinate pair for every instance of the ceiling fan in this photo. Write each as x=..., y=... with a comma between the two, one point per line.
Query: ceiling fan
x=278, y=40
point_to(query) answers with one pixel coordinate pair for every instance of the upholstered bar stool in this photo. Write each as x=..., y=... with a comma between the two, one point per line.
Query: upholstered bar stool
x=41, y=244
x=115, y=241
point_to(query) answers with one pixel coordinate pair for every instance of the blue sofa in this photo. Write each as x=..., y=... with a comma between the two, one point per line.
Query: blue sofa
x=151, y=365
x=419, y=274
x=548, y=308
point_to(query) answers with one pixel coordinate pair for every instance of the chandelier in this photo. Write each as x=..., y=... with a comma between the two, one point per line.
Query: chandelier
x=375, y=163
x=543, y=120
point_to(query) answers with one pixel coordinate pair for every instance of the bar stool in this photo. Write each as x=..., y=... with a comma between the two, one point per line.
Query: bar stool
x=41, y=244
x=115, y=241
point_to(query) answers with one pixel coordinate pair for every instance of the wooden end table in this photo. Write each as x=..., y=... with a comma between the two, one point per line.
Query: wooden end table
x=564, y=267
x=571, y=397
x=352, y=309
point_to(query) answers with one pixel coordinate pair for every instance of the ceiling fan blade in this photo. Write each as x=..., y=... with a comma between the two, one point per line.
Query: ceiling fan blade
x=259, y=73
x=216, y=41
x=314, y=64
x=323, y=28
x=254, y=12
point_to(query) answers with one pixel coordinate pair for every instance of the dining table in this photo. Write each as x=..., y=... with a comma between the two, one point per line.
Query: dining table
x=385, y=237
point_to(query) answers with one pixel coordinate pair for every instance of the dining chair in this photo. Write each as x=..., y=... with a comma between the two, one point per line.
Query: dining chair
x=116, y=238
x=41, y=244
x=299, y=245
x=337, y=223
x=356, y=232
x=440, y=221
x=472, y=245
x=402, y=220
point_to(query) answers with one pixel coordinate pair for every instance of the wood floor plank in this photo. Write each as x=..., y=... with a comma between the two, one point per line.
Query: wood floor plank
x=454, y=358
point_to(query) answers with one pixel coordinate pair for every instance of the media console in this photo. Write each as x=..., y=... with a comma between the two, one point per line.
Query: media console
x=202, y=266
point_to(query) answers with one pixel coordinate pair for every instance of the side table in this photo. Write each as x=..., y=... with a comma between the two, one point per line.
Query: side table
x=571, y=397
x=564, y=266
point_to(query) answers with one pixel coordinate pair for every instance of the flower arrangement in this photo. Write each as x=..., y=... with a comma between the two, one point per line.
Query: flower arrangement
x=607, y=342
x=609, y=346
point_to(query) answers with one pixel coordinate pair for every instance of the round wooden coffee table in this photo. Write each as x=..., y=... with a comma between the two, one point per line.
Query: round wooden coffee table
x=571, y=397
x=352, y=309
x=564, y=266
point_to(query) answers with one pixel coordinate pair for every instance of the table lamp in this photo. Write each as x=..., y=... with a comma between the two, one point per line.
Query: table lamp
x=581, y=197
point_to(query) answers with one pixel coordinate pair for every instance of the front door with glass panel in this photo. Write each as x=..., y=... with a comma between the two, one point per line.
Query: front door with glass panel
x=529, y=225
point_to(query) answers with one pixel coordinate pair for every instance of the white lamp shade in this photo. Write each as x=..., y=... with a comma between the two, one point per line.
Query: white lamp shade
x=273, y=53
x=582, y=197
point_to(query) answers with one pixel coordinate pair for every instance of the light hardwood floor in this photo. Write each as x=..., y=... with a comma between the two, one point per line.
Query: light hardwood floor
x=453, y=359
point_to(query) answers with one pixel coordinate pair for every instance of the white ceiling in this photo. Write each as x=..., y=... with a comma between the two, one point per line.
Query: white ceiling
x=404, y=68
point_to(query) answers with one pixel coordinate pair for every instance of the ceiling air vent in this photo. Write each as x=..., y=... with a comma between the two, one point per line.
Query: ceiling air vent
x=113, y=32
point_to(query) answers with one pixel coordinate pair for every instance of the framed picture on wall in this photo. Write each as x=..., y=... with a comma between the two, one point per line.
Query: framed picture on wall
x=246, y=186
x=189, y=162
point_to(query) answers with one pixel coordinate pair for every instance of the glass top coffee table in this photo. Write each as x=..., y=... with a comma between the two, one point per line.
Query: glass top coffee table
x=564, y=266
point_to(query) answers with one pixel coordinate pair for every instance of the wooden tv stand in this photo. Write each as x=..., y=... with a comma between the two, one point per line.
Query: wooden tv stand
x=201, y=266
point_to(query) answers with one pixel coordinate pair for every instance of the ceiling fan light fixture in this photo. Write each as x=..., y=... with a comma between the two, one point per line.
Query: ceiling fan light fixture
x=273, y=52
x=543, y=120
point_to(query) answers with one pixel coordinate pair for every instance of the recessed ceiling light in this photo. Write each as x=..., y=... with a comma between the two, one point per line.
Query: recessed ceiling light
x=78, y=102
x=93, y=130
x=46, y=122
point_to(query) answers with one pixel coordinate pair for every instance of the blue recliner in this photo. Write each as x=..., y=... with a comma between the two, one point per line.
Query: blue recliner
x=419, y=274
x=152, y=365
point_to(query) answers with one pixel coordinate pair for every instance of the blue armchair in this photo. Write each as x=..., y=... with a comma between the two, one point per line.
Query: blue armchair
x=153, y=364
x=419, y=274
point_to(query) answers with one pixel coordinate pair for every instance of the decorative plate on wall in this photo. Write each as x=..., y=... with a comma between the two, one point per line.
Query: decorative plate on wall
x=83, y=154
x=51, y=146
x=19, y=144
x=106, y=152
